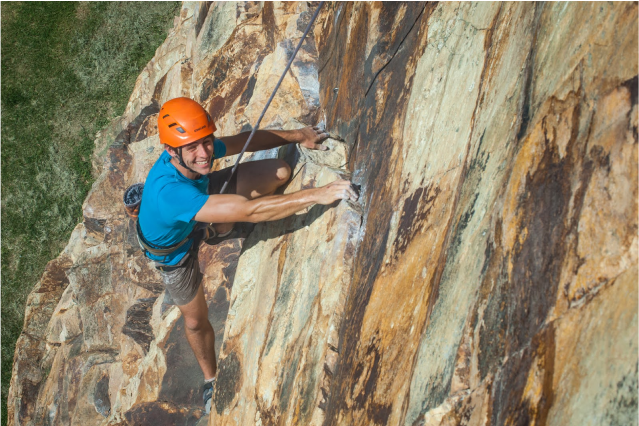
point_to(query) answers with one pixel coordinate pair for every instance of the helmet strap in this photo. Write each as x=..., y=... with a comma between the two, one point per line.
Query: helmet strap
x=178, y=151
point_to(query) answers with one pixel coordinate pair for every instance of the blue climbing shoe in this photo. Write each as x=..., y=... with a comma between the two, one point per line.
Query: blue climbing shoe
x=207, y=395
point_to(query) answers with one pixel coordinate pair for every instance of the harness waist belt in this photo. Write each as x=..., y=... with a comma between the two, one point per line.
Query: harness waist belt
x=158, y=251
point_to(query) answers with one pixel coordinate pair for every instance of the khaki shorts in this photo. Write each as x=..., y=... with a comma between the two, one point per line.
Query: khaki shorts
x=182, y=281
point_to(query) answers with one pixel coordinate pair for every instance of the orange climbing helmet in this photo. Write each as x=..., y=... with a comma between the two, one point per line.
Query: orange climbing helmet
x=182, y=121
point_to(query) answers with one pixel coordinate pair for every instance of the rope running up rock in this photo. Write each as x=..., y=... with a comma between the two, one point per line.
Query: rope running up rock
x=268, y=103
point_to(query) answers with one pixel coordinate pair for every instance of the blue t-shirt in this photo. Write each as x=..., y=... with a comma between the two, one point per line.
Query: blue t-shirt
x=170, y=201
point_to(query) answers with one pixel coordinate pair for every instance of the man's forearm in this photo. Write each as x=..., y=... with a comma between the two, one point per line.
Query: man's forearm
x=274, y=207
x=228, y=208
x=263, y=140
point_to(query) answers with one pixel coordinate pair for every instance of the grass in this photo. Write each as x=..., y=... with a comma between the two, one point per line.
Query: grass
x=67, y=70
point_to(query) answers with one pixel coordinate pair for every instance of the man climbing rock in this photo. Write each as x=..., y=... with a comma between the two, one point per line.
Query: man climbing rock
x=181, y=198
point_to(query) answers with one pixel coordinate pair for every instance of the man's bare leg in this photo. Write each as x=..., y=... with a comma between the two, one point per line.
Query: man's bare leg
x=256, y=179
x=199, y=333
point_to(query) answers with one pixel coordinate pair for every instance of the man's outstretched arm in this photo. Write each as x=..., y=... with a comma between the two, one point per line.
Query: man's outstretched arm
x=228, y=208
x=309, y=137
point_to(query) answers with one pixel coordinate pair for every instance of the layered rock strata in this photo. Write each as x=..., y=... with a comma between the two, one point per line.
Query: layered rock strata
x=487, y=275
x=99, y=346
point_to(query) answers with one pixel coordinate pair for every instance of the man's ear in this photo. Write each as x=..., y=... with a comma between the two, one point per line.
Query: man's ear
x=170, y=150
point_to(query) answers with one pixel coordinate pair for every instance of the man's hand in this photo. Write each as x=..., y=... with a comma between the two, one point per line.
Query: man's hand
x=311, y=137
x=338, y=190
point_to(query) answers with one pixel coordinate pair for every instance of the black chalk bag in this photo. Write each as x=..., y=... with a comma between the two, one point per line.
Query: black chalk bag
x=132, y=200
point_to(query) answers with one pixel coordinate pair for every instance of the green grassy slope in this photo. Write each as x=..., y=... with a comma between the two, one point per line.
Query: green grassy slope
x=67, y=69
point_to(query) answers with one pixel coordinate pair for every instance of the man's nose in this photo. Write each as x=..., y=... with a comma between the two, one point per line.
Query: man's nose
x=201, y=150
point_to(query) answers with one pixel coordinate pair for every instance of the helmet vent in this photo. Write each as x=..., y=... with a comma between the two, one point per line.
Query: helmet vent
x=165, y=116
x=174, y=124
x=181, y=130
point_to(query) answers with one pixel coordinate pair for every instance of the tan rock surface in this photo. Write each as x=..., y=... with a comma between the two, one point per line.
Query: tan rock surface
x=110, y=353
x=487, y=275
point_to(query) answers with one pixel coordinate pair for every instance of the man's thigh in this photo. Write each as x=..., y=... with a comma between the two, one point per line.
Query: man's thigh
x=219, y=177
x=251, y=180
x=263, y=177
x=195, y=312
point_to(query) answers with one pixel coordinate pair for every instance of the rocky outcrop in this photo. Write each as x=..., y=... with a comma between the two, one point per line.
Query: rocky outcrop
x=487, y=275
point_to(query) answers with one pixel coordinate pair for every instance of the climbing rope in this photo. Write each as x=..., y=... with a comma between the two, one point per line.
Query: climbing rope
x=268, y=103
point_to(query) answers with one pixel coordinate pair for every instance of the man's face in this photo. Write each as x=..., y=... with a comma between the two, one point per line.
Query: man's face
x=198, y=155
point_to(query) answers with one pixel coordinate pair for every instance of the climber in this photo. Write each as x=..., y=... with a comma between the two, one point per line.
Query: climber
x=181, y=196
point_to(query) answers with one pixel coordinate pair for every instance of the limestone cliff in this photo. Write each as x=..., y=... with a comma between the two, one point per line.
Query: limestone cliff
x=487, y=275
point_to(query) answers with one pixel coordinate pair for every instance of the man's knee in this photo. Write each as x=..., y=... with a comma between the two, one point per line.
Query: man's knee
x=283, y=172
x=196, y=323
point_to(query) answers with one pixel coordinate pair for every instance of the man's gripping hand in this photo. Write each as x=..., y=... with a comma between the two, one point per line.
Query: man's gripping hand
x=338, y=190
x=311, y=137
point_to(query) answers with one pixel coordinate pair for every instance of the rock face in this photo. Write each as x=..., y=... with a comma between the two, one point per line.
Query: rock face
x=487, y=275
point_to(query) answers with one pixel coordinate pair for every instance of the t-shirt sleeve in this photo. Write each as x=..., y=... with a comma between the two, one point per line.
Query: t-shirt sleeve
x=180, y=202
x=219, y=149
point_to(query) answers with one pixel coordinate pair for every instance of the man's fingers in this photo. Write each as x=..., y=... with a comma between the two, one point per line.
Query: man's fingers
x=348, y=195
x=322, y=136
x=313, y=137
x=345, y=191
x=340, y=189
x=321, y=132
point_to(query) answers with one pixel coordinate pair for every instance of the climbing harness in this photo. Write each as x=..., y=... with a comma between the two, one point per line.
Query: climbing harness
x=132, y=200
x=155, y=249
x=133, y=194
